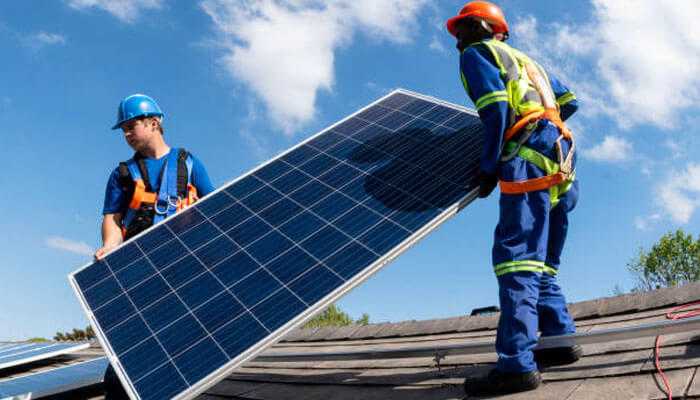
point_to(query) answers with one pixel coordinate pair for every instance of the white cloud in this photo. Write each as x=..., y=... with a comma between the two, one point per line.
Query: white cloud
x=39, y=40
x=646, y=223
x=676, y=149
x=436, y=45
x=124, y=10
x=679, y=195
x=71, y=246
x=637, y=61
x=612, y=149
x=284, y=50
x=49, y=38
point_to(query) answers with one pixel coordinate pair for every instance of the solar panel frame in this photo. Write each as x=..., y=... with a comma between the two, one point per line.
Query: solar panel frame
x=279, y=332
x=25, y=353
x=67, y=378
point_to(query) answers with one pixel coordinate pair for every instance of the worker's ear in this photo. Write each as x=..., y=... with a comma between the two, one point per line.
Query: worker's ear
x=154, y=122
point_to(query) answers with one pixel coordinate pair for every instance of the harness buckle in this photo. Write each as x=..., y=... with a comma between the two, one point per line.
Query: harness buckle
x=167, y=205
x=566, y=164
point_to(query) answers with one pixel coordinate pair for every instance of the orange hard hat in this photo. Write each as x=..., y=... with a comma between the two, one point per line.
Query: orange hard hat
x=484, y=10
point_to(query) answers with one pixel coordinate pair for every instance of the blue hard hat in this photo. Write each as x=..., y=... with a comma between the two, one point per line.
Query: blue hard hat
x=135, y=106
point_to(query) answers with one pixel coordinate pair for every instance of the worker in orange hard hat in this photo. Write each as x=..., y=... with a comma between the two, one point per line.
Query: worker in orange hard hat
x=529, y=152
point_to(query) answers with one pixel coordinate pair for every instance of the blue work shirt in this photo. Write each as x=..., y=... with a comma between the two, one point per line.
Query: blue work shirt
x=116, y=200
x=482, y=78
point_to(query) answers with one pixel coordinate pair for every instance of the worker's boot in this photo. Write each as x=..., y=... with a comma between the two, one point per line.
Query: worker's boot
x=557, y=356
x=497, y=382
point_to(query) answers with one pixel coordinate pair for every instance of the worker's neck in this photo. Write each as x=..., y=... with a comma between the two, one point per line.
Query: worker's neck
x=157, y=149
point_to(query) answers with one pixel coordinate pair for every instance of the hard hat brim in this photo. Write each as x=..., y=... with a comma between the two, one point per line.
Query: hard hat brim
x=452, y=23
x=119, y=124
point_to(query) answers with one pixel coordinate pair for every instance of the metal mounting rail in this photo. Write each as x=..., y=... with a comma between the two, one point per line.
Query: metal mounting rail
x=440, y=351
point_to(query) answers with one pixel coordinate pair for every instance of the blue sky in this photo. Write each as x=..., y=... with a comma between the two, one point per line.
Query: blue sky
x=242, y=80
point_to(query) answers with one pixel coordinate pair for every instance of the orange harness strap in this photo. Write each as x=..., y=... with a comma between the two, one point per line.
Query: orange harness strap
x=189, y=200
x=521, y=124
x=532, y=185
x=141, y=196
x=551, y=114
x=544, y=182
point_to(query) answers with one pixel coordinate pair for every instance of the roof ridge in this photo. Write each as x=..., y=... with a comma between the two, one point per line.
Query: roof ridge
x=583, y=310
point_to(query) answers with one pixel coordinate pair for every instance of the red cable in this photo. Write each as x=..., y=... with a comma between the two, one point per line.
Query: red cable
x=672, y=315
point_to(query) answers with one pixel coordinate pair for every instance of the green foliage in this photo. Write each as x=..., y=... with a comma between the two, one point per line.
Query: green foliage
x=334, y=316
x=37, y=340
x=76, y=335
x=364, y=320
x=674, y=260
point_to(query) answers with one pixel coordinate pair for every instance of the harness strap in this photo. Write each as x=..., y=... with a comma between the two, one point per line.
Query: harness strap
x=557, y=181
x=143, y=171
x=174, y=194
x=531, y=185
x=183, y=174
x=141, y=195
x=557, y=173
x=166, y=203
x=550, y=114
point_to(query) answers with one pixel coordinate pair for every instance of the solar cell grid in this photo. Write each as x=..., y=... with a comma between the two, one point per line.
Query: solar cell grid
x=186, y=300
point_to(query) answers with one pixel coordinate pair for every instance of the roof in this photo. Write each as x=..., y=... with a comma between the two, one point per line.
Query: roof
x=607, y=370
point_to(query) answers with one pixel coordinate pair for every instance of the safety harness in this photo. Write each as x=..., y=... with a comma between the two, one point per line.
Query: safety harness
x=146, y=207
x=531, y=99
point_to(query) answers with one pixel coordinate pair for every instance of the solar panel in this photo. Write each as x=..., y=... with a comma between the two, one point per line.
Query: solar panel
x=55, y=381
x=181, y=305
x=14, y=354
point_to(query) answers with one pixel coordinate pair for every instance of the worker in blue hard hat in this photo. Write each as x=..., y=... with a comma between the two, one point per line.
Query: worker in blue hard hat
x=155, y=183
x=529, y=152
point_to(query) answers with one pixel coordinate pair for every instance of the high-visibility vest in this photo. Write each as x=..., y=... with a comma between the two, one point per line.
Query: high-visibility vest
x=530, y=98
x=146, y=207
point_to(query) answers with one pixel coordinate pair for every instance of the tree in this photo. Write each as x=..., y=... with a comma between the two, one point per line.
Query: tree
x=334, y=316
x=76, y=335
x=674, y=260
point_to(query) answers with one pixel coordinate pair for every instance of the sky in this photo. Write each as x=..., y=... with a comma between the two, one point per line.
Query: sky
x=242, y=80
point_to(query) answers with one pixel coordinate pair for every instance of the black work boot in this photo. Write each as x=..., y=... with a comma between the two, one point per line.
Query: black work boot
x=497, y=382
x=557, y=356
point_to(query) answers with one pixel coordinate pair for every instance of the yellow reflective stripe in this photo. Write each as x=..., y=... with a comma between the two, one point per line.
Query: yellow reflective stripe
x=464, y=82
x=518, y=266
x=526, y=107
x=565, y=98
x=545, y=163
x=506, y=49
x=549, y=270
x=497, y=58
x=491, y=98
x=518, y=269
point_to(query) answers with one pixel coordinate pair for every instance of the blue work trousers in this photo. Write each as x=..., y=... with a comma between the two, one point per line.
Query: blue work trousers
x=530, y=234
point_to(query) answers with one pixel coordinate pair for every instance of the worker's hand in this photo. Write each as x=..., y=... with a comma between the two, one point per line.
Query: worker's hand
x=487, y=182
x=100, y=253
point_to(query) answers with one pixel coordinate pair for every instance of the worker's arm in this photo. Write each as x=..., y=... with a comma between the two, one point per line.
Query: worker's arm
x=112, y=211
x=483, y=83
x=111, y=234
x=568, y=104
x=200, y=178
